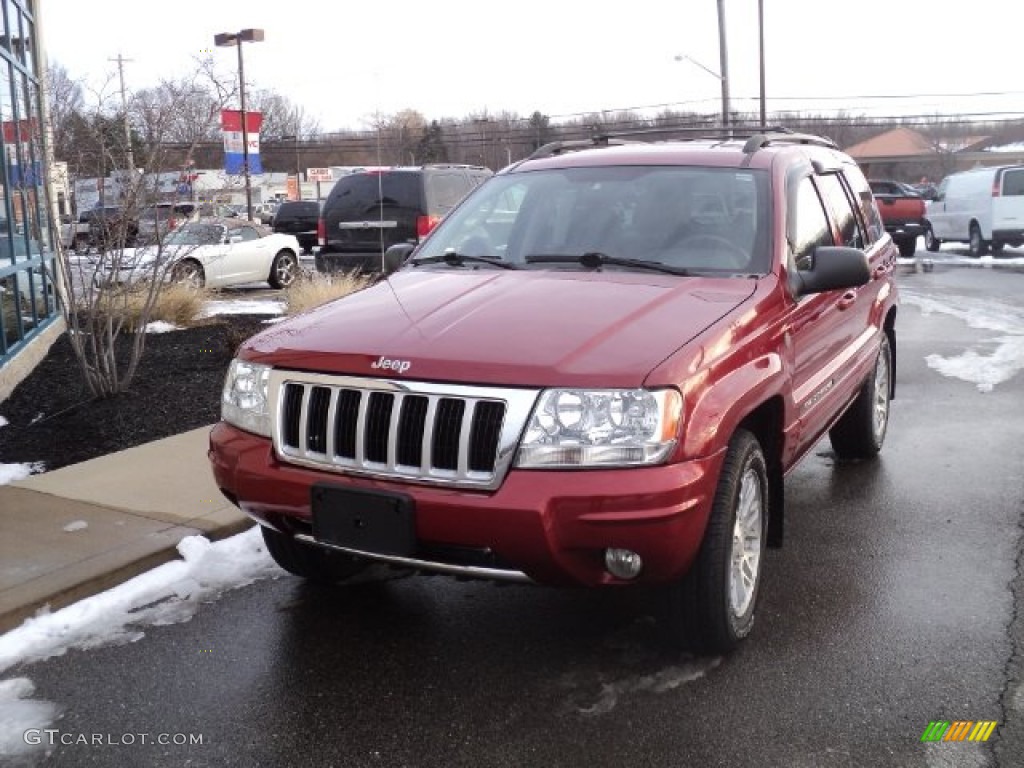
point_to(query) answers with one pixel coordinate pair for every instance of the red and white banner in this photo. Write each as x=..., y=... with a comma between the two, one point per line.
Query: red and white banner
x=234, y=155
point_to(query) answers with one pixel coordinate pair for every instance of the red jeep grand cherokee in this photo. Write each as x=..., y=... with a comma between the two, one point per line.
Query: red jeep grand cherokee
x=597, y=371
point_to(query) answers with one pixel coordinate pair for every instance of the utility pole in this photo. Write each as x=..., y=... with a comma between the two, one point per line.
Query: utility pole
x=121, y=61
x=724, y=63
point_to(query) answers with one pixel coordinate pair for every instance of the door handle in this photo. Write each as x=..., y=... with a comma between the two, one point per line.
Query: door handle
x=847, y=300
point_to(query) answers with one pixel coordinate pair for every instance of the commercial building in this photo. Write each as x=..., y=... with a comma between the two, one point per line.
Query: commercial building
x=29, y=313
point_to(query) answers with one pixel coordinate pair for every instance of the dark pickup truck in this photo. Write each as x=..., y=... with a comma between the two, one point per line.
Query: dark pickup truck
x=902, y=210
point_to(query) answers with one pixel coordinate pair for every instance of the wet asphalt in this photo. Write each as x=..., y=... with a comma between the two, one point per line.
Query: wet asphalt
x=891, y=605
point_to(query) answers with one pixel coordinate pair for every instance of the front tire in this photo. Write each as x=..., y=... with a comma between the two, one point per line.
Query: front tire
x=284, y=271
x=860, y=432
x=931, y=242
x=907, y=247
x=189, y=272
x=308, y=561
x=977, y=246
x=711, y=609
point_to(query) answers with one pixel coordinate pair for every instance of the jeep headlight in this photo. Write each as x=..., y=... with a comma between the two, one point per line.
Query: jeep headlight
x=601, y=428
x=244, y=400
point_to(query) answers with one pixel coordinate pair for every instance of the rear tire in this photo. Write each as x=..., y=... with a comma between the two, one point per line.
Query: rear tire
x=860, y=431
x=308, y=561
x=931, y=242
x=907, y=247
x=711, y=609
x=977, y=246
x=997, y=247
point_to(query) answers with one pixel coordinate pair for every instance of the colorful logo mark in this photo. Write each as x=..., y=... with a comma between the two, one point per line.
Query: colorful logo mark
x=959, y=730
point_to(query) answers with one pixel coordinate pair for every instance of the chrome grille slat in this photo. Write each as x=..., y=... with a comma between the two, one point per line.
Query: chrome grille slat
x=419, y=432
x=428, y=436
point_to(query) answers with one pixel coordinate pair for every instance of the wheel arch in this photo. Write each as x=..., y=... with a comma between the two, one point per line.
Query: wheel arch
x=765, y=422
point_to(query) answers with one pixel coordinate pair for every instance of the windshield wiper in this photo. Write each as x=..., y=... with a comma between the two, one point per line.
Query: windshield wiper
x=596, y=259
x=455, y=259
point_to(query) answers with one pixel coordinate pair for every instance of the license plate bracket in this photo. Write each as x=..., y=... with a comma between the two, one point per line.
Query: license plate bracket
x=382, y=522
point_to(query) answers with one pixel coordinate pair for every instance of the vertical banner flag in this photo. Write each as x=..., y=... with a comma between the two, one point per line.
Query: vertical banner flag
x=231, y=125
x=18, y=134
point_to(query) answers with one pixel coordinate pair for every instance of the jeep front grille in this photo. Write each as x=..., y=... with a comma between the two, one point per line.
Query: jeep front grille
x=455, y=435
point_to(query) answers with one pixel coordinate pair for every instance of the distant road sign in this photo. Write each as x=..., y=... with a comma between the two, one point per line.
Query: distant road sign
x=319, y=174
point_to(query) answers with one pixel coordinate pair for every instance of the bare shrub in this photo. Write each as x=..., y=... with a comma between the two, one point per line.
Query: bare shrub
x=317, y=288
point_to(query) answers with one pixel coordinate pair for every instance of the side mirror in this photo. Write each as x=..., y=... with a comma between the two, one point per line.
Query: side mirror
x=834, y=267
x=395, y=256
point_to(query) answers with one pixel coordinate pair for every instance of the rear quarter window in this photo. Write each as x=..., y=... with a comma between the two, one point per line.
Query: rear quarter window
x=1013, y=182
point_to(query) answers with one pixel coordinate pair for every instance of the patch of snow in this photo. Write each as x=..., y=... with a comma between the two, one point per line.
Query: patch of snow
x=37, y=417
x=168, y=594
x=77, y=525
x=662, y=681
x=18, y=713
x=273, y=320
x=161, y=326
x=3, y=422
x=242, y=307
x=10, y=473
x=1015, y=147
x=985, y=368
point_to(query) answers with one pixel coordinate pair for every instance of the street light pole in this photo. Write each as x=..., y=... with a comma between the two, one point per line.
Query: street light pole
x=760, y=33
x=236, y=39
x=724, y=63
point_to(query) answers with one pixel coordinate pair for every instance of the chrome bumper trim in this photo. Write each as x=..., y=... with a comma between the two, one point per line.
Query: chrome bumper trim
x=471, y=571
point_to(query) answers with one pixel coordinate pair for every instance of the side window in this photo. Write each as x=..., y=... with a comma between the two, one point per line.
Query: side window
x=808, y=224
x=866, y=202
x=247, y=233
x=834, y=192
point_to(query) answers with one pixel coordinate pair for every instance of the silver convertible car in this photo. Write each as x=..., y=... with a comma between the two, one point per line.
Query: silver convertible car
x=211, y=252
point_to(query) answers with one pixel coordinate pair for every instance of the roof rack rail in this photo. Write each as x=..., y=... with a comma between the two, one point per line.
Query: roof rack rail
x=560, y=147
x=781, y=135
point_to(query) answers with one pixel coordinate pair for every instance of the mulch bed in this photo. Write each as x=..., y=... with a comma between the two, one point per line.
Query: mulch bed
x=177, y=387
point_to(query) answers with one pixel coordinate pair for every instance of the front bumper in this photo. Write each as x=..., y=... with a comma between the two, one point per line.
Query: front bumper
x=552, y=526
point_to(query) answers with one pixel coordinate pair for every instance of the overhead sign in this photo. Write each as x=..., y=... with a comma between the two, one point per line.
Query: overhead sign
x=319, y=174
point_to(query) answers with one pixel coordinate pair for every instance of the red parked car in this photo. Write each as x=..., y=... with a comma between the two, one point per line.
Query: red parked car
x=597, y=370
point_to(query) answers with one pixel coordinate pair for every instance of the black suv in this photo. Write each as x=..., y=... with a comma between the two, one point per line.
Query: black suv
x=299, y=218
x=370, y=211
x=113, y=227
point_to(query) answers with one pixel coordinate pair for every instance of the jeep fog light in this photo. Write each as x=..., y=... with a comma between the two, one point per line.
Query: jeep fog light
x=244, y=400
x=623, y=563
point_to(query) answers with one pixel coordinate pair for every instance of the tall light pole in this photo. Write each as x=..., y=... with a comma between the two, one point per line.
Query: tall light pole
x=723, y=56
x=236, y=39
x=760, y=48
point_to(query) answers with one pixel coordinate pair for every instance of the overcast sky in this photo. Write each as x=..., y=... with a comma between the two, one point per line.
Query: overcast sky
x=342, y=61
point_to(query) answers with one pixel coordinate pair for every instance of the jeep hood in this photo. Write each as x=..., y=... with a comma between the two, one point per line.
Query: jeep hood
x=525, y=328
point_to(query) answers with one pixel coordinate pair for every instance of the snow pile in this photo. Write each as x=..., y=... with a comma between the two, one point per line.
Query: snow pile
x=77, y=525
x=161, y=326
x=3, y=422
x=10, y=473
x=243, y=307
x=984, y=368
x=168, y=594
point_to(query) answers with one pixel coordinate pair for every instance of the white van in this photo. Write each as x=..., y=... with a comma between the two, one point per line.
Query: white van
x=983, y=207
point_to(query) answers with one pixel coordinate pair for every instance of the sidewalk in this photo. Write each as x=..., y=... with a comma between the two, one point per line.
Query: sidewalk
x=76, y=531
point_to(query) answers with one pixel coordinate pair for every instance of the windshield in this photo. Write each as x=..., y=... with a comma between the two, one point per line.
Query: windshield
x=196, y=234
x=693, y=218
